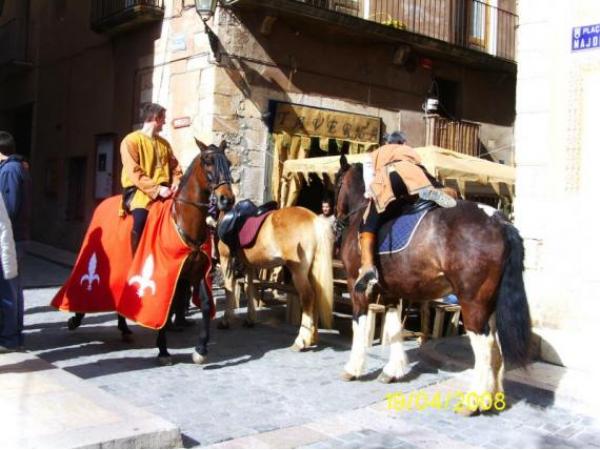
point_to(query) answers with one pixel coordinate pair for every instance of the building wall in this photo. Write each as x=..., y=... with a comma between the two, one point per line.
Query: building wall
x=83, y=84
x=345, y=74
x=557, y=160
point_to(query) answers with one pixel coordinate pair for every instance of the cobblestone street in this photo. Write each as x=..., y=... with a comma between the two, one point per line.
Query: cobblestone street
x=255, y=392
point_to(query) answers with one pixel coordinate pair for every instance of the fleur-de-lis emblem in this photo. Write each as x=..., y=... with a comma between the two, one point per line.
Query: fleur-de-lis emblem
x=145, y=279
x=91, y=274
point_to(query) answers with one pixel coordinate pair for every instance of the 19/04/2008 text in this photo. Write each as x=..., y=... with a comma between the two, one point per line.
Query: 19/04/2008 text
x=456, y=401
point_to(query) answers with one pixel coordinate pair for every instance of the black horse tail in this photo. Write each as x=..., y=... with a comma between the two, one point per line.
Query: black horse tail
x=512, y=310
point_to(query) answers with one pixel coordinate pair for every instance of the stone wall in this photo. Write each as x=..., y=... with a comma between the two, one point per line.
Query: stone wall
x=557, y=160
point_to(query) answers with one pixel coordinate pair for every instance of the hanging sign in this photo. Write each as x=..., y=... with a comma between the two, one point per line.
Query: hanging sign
x=306, y=121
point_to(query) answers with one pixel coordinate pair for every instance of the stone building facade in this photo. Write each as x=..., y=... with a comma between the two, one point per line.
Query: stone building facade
x=557, y=156
x=83, y=88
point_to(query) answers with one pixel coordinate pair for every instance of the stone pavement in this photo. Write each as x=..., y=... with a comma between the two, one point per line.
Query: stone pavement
x=255, y=392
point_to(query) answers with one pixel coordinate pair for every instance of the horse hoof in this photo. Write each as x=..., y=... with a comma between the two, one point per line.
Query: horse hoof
x=165, y=360
x=127, y=337
x=345, y=376
x=198, y=358
x=385, y=378
x=296, y=348
x=248, y=324
x=73, y=323
x=223, y=326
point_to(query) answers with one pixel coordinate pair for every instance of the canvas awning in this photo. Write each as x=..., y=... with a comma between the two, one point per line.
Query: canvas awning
x=449, y=166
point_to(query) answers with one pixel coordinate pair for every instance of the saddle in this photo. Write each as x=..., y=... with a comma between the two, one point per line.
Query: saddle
x=239, y=226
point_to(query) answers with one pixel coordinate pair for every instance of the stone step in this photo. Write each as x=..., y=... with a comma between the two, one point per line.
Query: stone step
x=47, y=407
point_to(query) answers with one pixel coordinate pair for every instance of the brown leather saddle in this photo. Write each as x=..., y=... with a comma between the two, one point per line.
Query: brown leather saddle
x=239, y=226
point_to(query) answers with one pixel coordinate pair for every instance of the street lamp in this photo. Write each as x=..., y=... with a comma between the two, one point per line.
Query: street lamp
x=206, y=8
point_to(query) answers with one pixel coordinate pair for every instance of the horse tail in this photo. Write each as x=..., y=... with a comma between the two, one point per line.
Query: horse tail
x=321, y=271
x=512, y=310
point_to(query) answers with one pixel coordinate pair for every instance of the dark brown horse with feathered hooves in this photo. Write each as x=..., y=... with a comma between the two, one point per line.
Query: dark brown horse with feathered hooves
x=467, y=250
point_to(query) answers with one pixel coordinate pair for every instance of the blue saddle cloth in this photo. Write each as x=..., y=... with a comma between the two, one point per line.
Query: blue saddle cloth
x=395, y=235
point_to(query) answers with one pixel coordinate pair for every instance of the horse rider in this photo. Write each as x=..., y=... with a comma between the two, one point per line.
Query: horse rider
x=150, y=170
x=393, y=173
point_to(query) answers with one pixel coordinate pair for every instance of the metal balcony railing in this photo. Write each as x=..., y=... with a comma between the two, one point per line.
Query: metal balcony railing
x=13, y=41
x=114, y=15
x=467, y=23
x=460, y=136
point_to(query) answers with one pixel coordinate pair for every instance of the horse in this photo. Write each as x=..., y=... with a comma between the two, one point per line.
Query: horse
x=207, y=175
x=298, y=239
x=462, y=250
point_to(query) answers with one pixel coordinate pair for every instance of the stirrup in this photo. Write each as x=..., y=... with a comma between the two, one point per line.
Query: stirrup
x=437, y=196
x=366, y=280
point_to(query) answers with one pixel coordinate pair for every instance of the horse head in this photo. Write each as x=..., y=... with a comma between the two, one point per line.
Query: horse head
x=217, y=169
x=349, y=188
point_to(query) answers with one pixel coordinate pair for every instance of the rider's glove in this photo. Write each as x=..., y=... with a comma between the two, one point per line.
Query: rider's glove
x=164, y=192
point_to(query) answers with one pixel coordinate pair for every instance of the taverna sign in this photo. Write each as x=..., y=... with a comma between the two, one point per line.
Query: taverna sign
x=583, y=38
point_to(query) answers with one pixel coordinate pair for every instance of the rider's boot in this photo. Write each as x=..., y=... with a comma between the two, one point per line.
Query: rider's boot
x=367, y=274
x=438, y=196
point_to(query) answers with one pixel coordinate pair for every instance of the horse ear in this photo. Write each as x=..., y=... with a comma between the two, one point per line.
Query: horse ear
x=344, y=163
x=223, y=145
x=201, y=145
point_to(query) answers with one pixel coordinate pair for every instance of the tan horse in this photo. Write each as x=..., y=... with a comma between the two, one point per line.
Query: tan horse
x=298, y=239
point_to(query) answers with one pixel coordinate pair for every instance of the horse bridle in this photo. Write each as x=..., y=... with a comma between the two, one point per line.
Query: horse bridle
x=224, y=177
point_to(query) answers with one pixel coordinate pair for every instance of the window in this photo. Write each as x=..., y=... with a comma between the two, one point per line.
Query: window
x=448, y=95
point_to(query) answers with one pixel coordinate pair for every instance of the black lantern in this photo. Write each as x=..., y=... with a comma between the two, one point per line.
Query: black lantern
x=206, y=8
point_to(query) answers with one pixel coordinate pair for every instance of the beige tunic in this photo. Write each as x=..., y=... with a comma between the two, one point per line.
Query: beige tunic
x=401, y=159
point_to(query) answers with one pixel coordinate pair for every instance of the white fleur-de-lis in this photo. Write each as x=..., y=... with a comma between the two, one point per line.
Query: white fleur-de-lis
x=91, y=274
x=145, y=279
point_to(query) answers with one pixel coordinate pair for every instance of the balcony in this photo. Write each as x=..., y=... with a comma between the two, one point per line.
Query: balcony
x=13, y=45
x=460, y=136
x=470, y=24
x=470, y=31
x=116, y=16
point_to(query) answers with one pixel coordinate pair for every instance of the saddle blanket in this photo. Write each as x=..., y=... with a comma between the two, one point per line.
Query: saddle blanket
x=106, y=277
x=251, y=228
x=396, y=234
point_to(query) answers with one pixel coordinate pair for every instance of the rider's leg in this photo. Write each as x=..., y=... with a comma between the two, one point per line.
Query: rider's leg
x=437, y=195
x=140, y=215
x=435, y=192
x=367, y=275
x=139, y=221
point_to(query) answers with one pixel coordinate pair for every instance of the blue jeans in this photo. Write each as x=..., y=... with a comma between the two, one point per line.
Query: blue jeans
x=11, y=312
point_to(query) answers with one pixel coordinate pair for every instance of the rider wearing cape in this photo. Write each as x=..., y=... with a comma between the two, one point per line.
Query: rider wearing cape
x=391, y=175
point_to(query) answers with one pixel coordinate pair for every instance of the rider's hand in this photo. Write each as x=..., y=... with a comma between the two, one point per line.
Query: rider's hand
x=164, y=192
x=174, y=188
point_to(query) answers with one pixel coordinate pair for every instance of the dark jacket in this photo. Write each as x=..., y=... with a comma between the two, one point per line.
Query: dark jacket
x=15, y=185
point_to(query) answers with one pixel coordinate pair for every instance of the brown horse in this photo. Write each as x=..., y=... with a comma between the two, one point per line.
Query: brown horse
x=462, y=250
x=298, y=239
x=207, y=175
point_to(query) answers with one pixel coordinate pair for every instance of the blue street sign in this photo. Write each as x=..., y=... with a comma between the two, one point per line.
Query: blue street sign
x=586, y=37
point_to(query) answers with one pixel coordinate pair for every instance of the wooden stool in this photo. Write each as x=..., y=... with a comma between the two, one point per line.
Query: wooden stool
x=438, y=322
x=372, y=312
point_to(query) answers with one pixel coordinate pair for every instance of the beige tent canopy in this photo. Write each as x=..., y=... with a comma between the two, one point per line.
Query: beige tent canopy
x=467, y=173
